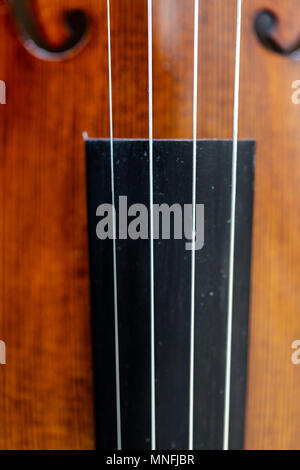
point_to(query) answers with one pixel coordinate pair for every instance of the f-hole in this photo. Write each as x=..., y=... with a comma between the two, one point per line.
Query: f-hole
x=77, y=24
x=266, y=27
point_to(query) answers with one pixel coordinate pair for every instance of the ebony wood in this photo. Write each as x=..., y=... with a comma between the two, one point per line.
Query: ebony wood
x=172, y=169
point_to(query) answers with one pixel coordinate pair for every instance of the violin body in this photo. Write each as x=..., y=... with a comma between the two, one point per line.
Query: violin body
x=46, y=399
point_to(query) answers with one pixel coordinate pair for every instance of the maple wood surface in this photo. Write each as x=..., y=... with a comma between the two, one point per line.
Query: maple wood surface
x=46, y=392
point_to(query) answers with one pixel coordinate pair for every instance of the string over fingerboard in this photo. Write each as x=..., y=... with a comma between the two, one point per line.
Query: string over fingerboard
x=172, y=182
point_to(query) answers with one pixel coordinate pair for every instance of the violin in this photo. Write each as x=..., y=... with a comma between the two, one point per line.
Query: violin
x=168, y=319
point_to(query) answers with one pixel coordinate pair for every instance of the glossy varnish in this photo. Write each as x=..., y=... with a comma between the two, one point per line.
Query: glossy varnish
x=46, y=399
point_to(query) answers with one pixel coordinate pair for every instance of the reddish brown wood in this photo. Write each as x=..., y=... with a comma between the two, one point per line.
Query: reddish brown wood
x=46, y=399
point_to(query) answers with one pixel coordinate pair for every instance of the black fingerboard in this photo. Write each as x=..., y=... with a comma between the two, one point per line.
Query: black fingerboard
x=172, y=183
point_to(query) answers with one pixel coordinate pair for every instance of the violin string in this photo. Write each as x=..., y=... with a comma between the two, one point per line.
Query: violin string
x=194, y=176
x=152, y=322
x=232, y=230
x=116, y=322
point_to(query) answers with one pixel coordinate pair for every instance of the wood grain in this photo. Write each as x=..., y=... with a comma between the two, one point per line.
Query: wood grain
x=46, y=398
